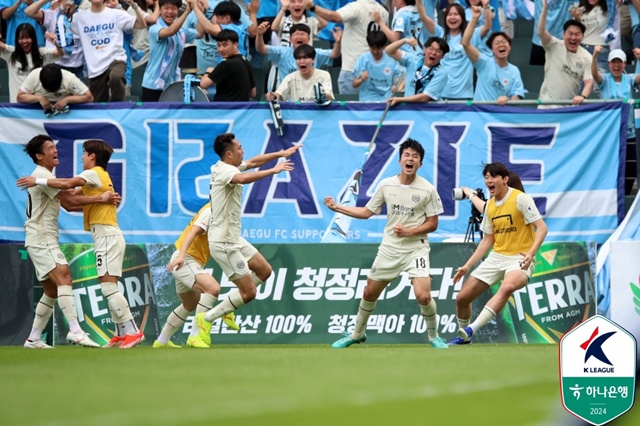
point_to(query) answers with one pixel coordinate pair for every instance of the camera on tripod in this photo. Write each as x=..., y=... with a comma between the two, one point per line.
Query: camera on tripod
x=476, y=215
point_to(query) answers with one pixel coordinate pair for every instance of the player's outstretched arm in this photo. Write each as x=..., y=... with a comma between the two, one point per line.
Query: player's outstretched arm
x=261, y=159
x=68, y=183
x=72, y=201
x=356, y=212
x=250, y=177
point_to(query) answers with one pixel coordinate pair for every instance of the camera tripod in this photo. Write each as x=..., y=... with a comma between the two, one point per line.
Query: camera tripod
x=472, y=227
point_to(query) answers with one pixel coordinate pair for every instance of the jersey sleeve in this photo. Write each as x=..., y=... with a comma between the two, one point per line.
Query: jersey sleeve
x=377, y=201
x=92, y=178
x=204, y=219
x=528, y=208
x=434, y=204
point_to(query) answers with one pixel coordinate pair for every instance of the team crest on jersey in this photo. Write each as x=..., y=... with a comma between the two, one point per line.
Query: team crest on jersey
x=505, y=82
x=415, y=198
x=386, y=71
x=579, y=65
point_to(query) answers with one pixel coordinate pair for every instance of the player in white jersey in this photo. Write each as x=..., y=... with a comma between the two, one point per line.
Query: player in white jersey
x=41, y=228
x=239, y=260
x=413, y=206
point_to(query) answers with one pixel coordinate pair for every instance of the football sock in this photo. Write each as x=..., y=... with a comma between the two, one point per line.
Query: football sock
x=67, y=305
x=44, y=310
x=175, y=320
x=462, y=323
x=429, y=313
x=118, y=306
x=230, y=304
x=256, y=281
x=130, y=327
x=485, y=316
x=205, y=304
x=364, y=312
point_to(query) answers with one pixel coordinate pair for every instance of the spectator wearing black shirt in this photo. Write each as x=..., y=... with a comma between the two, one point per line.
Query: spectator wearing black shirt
x=232, y=77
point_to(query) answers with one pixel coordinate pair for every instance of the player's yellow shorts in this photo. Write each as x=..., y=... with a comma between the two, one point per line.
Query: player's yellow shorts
x=233, y=258
x=186, y=275
x=496, y=265
x=388, y=265
x=109, y=247
x=45, y=257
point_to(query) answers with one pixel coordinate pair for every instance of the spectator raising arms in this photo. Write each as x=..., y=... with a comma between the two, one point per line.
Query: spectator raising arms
x=101, y=31
x=376, y=74
x=293, y=12
x=24, y=57
x=166, y=40
x=497, y=78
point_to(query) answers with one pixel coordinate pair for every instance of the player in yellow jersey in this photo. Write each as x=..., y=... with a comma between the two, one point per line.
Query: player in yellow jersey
x=196, y=288
x=109, y=244
x=41, y=242
x=514, y=228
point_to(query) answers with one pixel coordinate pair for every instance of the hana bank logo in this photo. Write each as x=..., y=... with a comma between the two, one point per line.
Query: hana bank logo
x=593, y=349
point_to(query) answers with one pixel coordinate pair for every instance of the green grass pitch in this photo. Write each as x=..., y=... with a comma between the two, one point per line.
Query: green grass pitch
x=284, y=385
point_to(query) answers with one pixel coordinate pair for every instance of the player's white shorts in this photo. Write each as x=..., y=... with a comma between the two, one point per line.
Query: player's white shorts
x=44, y=257
x=388, y=265
x=109, y=247
x=496, y=265
x=186, y=275
x=233, y=258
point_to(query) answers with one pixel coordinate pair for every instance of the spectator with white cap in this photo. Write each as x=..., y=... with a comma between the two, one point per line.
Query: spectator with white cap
x=616, y=84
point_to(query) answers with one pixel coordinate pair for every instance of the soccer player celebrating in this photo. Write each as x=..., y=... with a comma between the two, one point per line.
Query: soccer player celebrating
x=41, y=242
x=413, y=207
x=195, y=286
x=239, y=260
x=109, y=244
x=514, y=228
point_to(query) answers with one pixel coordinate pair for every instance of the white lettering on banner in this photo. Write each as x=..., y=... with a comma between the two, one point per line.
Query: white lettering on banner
x=136, y=294
x=557, y=293
x=343, y=283
x=380, y=323
x=270, y=289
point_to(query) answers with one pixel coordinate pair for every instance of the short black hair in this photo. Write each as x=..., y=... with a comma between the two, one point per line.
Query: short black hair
x=444, y=46
x=300, y=27
x=304, y=51
x=574, y=23
x=495, y=169
x=225, y=8
x=227, y=35
x=496, y=34
x=101, y=149
x=51, y=77
x=413, y=144
x=376, y=39
x=222, y=143
x=34, y=146
x=176, y=3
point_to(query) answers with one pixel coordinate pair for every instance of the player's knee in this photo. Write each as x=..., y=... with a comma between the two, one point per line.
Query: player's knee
x=424, y=298
x=190, y=305
x=51, y=292
x=463, y=299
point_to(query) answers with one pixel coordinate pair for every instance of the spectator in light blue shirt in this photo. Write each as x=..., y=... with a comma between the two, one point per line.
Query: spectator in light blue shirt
x=13, y=13
x=498, y=80
x=376, y=73
x=459, y=67
x=406, y=22
x=166, y=43
x=429, y=76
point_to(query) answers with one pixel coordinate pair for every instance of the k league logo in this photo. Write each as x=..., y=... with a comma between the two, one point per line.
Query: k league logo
x=597, y=370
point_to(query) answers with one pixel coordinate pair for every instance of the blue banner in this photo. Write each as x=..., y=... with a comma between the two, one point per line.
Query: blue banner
x=571, y=161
